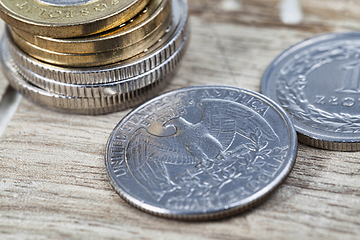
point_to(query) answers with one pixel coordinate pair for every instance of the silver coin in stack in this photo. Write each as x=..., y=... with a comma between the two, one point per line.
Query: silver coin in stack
x=201, y=153
x=107, y=89
x=108, y=97
x=146, y=61
x=318, y=83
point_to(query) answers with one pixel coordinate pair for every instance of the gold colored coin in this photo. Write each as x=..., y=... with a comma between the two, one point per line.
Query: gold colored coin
x=93, y=59
x=133, y=31
x=68, y=18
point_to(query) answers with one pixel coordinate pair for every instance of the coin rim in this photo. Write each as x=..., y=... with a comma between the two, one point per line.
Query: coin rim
x=210, y=215
x=134, y=31
x=72, y=29
x=69, y=104
x=95, y=59
x=90, y=90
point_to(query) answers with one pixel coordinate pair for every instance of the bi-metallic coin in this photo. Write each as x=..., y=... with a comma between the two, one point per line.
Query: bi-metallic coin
x=69, y=18
x=201, y=153
x=318, y=83
x=121, y=43
x=156, y=15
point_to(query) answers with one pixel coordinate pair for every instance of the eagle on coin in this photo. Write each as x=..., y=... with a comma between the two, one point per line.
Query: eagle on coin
x=198, y=139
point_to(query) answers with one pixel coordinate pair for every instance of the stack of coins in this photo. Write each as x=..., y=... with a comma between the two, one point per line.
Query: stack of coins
x=92, y=57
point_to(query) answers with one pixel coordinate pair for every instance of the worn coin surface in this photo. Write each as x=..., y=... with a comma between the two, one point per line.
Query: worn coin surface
x=70, y=18
x=201, y=153
x=156, y=16
x=135, y=66
x=318, y=83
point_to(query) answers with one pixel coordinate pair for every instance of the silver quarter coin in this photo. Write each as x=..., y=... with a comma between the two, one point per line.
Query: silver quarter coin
x=318, y=83
x=201, y=153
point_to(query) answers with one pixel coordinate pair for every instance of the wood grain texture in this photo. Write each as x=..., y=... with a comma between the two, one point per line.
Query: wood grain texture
x=53, y=180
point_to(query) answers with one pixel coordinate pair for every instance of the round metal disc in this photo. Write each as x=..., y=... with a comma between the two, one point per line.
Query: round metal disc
x=201, y=153
x=154, y=16
x=65, y=19
x=318, y=84
x=127, y=42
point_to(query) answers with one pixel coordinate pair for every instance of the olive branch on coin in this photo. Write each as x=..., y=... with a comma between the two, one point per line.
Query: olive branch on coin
x=292, y=80
x=242, y=163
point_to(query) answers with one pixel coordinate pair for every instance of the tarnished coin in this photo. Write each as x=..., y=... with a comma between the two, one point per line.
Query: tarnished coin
x=201, y=153
x=156, y=15
x=318, y=84
x=70, y=18
x=135, y=66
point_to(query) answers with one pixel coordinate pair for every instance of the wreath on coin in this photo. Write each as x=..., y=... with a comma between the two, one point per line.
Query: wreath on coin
x=292, y=80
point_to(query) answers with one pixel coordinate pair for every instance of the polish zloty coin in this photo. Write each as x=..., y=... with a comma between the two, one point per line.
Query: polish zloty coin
x=156, y=14
x=137, y=65
x=71, y=18
x=96, y=58
x=318, y=83
x=88, y=60
x=201, y=153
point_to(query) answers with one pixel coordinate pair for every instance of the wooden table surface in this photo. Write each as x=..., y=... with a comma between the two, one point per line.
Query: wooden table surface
x=53, y=179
